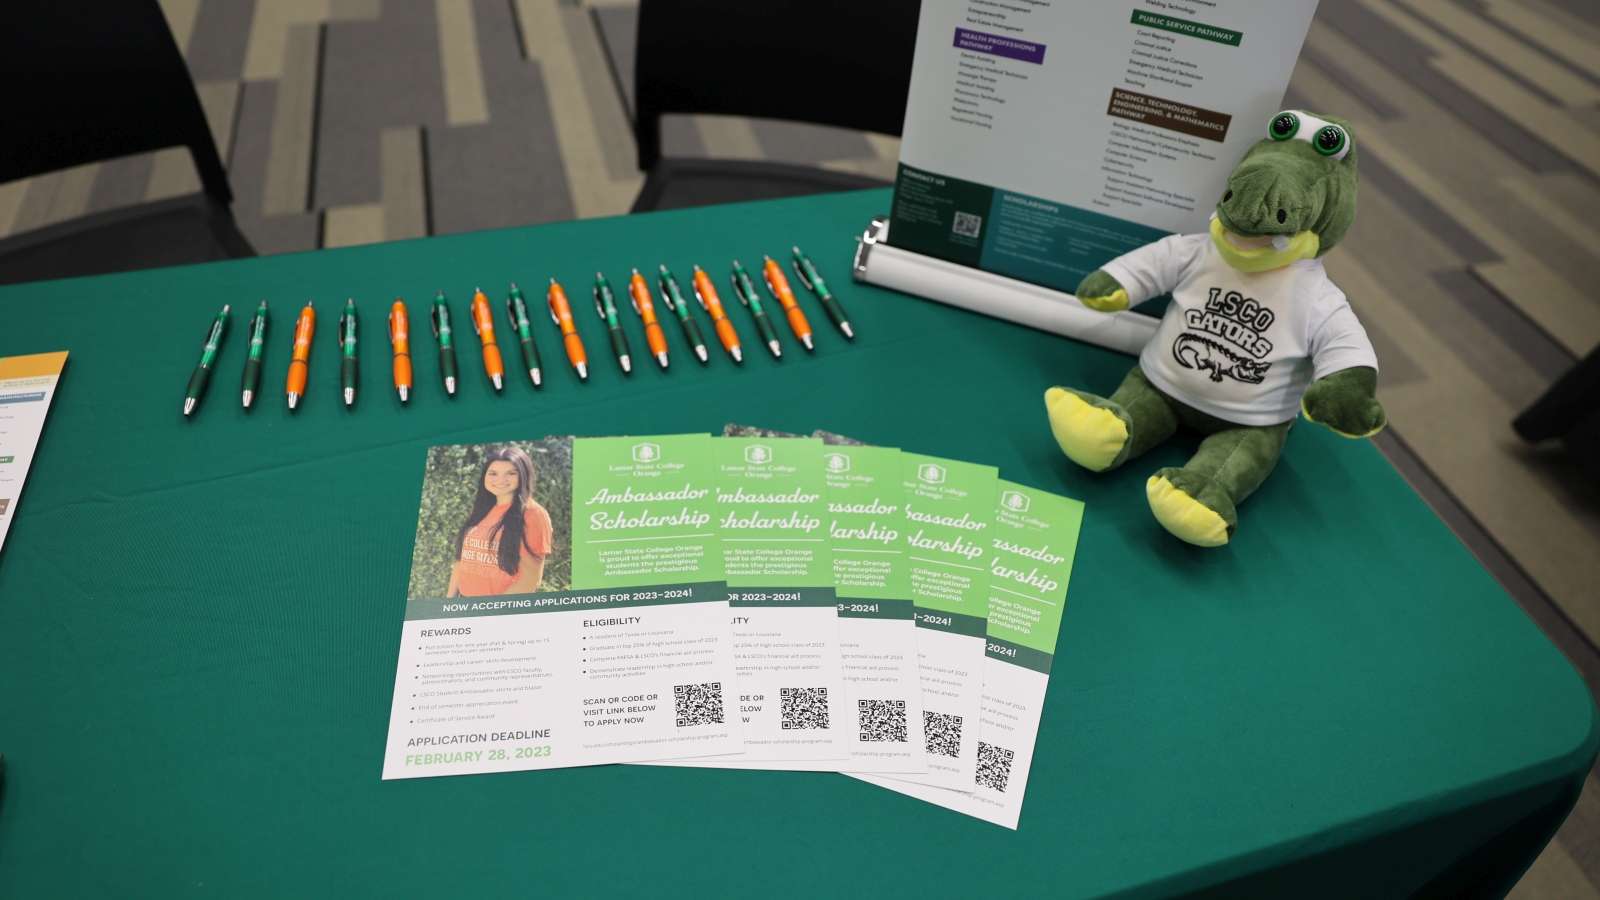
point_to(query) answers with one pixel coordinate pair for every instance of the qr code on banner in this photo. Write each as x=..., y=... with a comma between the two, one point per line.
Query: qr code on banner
x=803, y=707
x=883, y=720
x=698, y=704
x=994, y=766
x=967, y=224
x=943, y=733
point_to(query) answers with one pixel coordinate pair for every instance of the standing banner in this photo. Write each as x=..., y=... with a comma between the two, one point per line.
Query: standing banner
x=1044, y=138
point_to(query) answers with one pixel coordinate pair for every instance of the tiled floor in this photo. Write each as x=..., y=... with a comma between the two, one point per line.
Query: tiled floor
x=1473, y=262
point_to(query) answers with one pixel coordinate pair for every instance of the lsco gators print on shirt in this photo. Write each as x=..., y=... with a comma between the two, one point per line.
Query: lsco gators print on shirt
x=1222, y=346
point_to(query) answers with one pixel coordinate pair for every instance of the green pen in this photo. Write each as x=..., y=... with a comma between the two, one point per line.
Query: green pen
x=673, y=297
x=745, y=289
x=440, y=315
x=517, y=312
x=252, y=363
x=349, y=369
x=605, y=303
x=813, y=282
x=208, y=358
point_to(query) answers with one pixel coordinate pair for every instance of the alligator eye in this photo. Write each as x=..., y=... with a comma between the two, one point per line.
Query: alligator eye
x=1330, y=140
x=1283, y=127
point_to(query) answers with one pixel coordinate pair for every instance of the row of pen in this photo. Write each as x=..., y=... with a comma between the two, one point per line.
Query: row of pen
x=521, y=323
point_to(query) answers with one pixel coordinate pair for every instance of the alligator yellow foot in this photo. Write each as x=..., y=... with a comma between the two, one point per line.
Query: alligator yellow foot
x=1091, y=430
x=1192, y=506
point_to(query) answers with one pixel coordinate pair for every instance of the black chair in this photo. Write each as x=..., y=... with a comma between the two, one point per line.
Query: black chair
x=824, y=62
x=88, y=80
x=1569, y=410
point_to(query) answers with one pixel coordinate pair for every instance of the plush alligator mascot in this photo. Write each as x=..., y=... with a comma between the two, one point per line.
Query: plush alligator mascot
x=1256, y=333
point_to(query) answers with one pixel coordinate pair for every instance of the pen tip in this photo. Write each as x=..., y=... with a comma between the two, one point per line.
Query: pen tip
x=497, y=381
x=663, y=268
x=349, y=396
x=226, y=307
x=405, y=393
x=293, y=399
x=794, y=249
x=766, y=258
x=635, y=271
x=737, y=356
x=806, y=339
x=188, y=405
x=845, y=327
x=701, y=352
x=248, y=397
x=776, y=348
x=552, y=281
x=627, y=364
x=662, y=358
x=450, y=386
x=583, y=371
x=537, y=378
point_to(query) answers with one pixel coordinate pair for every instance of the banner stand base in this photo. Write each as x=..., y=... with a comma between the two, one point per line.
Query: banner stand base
x=994, y=295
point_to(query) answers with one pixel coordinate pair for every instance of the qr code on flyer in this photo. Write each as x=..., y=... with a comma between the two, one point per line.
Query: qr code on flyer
x=698, y=704
x=967, y=224
x=883, y=720
x=994, y=766
x=943, y=734
x=803, y=707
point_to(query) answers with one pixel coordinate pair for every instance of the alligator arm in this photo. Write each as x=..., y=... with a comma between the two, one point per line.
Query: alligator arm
x=1346, y=401
x=1102, y=292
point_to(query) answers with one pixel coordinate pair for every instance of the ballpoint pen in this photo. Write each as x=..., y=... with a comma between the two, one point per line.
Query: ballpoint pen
x=349, y=369
x=746, y=292
x=300, y=363
x=400, y=339
x=772, y=274
x=814, y=283
x=561, y=314
x=517, y=312
x=440, y=316
x=208, y=358
x=673, y=298
x=712, y=304
x=251, y=382
x=606, y=305
x=644, y=305
x=483, y=325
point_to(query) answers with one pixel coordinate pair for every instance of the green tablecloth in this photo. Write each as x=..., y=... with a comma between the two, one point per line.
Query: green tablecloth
x=199, y=619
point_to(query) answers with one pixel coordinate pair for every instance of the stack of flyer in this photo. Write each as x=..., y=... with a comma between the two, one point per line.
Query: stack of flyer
x=757, y=600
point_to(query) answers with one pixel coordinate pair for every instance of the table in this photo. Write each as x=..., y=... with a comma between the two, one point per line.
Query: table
x=199, y=619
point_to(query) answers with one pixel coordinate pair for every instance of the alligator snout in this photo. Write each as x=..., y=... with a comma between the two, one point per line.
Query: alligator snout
x=1265, y=199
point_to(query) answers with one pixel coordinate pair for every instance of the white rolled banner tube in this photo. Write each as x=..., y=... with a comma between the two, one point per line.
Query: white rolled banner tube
x=1004, y=298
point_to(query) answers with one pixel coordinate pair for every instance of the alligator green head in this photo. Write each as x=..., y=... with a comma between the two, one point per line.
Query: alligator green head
x=1293, y=195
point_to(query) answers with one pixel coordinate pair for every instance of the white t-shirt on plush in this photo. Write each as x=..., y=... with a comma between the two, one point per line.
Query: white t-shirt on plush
x=1241, y=346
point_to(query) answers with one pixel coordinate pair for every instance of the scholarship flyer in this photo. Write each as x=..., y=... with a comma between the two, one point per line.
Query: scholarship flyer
x=504, y=665
x=771, y=515
x=1033, y=546
x=1044, y=138
x=27, y=385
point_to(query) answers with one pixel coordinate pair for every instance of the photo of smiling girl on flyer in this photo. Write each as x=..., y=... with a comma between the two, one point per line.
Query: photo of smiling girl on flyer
x=502, y=546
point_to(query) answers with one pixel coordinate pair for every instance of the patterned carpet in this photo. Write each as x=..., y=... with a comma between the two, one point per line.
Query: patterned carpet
x=1473, y=263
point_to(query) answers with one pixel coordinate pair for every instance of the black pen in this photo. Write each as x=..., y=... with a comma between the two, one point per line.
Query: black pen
x=208, y=357
x=605, y=303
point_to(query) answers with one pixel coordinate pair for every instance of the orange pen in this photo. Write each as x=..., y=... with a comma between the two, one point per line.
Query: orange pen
x=300, y=364
x=712, y=304
x=483, y=325
x=400, y=337
x=779, y=286
x=644, y=305
x=561, y=313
